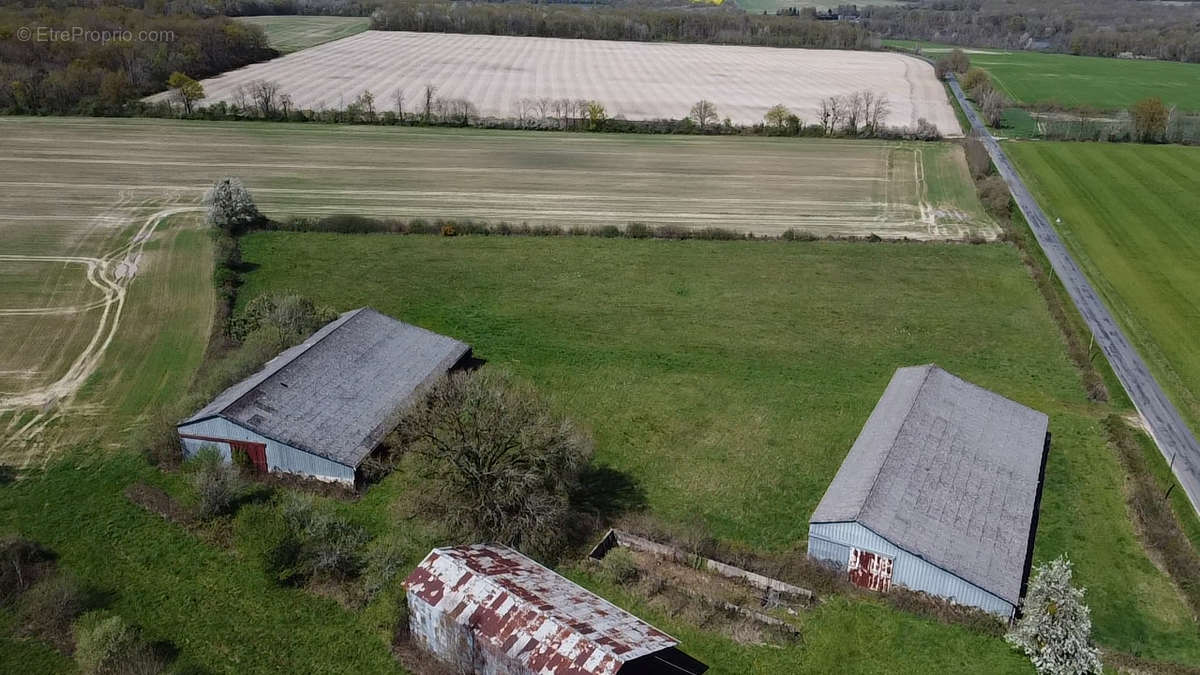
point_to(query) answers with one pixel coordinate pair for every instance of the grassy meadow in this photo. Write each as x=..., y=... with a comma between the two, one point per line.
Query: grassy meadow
x=292, y=33
x=1078, y=81
x=729, y=380
x=1128, y=214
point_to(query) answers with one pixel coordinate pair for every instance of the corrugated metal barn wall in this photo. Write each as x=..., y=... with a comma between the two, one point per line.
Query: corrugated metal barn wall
x=280, y=457
x=832, y=542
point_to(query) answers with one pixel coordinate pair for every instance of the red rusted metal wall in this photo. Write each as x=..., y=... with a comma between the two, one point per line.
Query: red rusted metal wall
x=870, y=570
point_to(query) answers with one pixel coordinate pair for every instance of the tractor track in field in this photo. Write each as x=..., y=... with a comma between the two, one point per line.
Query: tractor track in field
x=111, y=274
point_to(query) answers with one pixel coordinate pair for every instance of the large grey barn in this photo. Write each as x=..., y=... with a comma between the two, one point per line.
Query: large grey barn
x=319, y=408
x=939, y=493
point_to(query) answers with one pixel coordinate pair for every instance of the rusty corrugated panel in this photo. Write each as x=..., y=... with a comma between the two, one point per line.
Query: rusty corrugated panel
x=870, y=570
x=520, y=609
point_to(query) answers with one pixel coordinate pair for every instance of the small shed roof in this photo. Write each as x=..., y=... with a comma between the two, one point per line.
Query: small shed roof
x=947, y=471
x=339, y=392
x=538, y=618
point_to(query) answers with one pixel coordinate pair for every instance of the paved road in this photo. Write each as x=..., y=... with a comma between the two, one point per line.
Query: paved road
x=1168, y=429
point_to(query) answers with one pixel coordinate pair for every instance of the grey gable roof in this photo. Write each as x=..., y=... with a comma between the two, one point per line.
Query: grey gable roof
x=339, y=392
x=947, y=471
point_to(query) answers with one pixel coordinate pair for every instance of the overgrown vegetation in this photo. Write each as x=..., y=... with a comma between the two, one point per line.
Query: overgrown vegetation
x=108, y=645
x=495, y=462
x=218, y=485
x=1152, y=514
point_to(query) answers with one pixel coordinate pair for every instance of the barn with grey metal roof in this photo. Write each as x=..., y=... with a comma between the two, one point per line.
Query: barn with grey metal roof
x=319, y=408
x=939, y=493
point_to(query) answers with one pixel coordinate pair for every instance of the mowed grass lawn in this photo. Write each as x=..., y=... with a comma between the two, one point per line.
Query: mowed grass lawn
x=292, y=33
x=730, y=379
x=1069, y=80
x=1129, y=216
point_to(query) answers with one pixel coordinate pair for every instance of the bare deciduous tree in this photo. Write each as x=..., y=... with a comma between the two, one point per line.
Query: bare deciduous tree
x=498, y=464
x=704, y=113
x=398, y=99
x=430, y=94
x=265, y=94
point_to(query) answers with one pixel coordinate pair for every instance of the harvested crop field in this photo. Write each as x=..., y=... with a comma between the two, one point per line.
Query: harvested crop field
x=638, y=80
x=67, y=171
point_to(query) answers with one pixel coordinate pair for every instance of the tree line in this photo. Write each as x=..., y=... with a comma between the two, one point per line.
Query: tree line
x=716, y=25
x=1085, y=27
x=41, y=75
x=859, y=114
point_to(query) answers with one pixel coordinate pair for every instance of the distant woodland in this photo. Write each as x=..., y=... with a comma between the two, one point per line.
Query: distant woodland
x=719, y=25
x=100, y=74
x=1086, y=27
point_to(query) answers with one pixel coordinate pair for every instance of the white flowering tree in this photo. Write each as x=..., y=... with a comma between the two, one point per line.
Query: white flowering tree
x=230, y=206
x=1055, y=626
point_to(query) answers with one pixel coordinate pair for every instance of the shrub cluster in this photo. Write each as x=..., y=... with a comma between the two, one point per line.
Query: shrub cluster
x=297, y=540
x=108, y=645
x=218, y=484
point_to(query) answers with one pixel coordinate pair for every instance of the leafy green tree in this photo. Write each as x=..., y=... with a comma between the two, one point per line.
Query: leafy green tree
x=1149, y=117
x=185, y=90
x=777, y=115
x=596, y=116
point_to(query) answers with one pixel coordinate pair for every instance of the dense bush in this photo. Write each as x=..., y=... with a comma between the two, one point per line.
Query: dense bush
x=297, y=540
x=996, y=197
x=618, y=566
x=107, y=645
x=218, y=484
x=294, y=316
x=496, y=463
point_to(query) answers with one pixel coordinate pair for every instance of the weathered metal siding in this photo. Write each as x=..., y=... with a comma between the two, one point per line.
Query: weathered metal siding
x=504, y=613
x=833, y=541
x=280, y=457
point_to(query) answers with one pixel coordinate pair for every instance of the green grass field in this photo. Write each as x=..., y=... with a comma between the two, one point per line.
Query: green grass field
x=1129, y=217
x=730, y=380
x=293, y=33
x=1074, y=81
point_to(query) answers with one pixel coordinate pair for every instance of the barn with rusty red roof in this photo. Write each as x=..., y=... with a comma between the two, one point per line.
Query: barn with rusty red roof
x=491, y=610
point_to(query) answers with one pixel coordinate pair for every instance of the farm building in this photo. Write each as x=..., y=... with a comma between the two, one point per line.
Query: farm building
x=319, y=408
x=939, y=493
x=488, y=609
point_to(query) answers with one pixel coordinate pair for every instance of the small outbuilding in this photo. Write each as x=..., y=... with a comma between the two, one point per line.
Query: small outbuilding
x=320, y=408
x=488, y=609
x=940, y=493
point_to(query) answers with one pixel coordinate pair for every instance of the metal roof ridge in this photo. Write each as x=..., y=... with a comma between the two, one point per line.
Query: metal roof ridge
x=929, y=368
x=345, y=318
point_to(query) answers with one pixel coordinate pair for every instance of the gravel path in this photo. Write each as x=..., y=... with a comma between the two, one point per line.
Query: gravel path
x=1168, y=429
